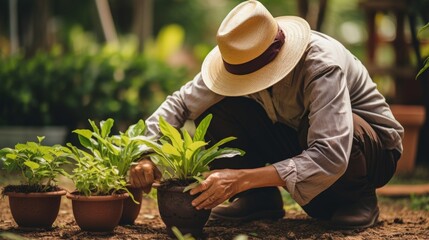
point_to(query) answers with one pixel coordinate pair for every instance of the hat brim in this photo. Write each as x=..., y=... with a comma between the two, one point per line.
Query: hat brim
x=220, y=81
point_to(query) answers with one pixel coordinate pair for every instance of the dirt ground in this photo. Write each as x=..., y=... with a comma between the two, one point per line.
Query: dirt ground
x=396, y=221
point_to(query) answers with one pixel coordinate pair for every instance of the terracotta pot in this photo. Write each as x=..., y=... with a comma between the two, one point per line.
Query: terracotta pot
x=131, y=210
x=35, y=210
x=97, y=213
x=411, y=118
x=176, y=210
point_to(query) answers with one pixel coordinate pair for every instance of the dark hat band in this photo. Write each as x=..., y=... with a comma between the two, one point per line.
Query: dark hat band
x=260, y=61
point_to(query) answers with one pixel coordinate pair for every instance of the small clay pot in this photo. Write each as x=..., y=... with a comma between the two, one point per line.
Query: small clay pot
x=176, y=210
x=97, y=213
x=35, y=210
x=131, y=209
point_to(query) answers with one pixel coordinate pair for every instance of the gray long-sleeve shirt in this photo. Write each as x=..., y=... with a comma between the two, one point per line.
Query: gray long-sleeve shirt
x=327, y=85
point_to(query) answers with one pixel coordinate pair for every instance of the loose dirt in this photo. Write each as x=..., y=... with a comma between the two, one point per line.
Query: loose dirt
x=396, y=221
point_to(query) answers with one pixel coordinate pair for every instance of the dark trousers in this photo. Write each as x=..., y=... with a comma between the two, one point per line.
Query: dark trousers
x=265, y=143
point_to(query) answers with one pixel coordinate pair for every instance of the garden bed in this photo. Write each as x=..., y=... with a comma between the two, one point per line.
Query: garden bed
x=397, y=221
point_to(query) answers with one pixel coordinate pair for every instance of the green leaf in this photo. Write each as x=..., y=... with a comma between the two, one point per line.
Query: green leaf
x=172, y=133
x=11, y=156
x=201, y=129
x=31, y=164
x=153, y=145
x=84, y=133
x=193, y=147
x=137, y=129
x=191, y=186
x=198, y=178
x=169, y=149
x=196, y=145
x=106, y=126
x=222, y=142
x=94, y=126
x=187, y=138
x=424, y=68
x=48, y=157
x=209, y=155
x=424, y=28
x=85, y=142
x=40, y=139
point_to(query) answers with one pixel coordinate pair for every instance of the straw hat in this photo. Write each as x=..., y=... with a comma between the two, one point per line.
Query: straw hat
x=255, y=50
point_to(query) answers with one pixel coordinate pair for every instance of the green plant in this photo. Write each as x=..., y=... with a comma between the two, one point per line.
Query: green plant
x=103, y=169
x=92, y=177
x=55, y=88
x=185, y=158
x=39, y=165
x=114, y=150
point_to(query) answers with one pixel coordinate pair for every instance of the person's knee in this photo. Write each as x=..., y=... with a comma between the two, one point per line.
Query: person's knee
x=380, y=163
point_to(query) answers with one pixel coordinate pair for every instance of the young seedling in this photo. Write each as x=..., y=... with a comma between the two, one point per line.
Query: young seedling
x=38, y=165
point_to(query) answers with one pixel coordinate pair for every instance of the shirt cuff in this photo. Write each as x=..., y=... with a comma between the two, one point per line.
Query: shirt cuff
x=287, y=171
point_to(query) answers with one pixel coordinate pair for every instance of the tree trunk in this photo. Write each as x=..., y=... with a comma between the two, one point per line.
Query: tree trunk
x=13, y=21
x=106, y=20
x=143, y=20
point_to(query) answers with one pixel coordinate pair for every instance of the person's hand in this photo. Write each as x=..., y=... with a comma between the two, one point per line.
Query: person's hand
x=218, y=186
x=144, y=174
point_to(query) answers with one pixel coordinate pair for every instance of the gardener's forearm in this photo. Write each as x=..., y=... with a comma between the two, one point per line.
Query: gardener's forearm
x=222, y=184
x=259, y=177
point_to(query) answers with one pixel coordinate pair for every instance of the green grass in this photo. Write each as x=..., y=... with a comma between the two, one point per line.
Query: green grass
x=419, y=202
x=413, y=202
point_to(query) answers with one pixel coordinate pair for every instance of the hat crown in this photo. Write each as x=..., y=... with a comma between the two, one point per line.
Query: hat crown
x=246, y=32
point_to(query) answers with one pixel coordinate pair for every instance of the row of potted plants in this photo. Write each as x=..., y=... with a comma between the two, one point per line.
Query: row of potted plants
x=102, y=198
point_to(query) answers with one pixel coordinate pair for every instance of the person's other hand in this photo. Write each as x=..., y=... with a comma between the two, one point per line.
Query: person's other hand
x=144, y=174
x=218, y=186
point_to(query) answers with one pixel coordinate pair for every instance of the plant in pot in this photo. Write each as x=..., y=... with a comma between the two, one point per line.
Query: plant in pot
x=35, y=202
x=118, y=151
x=183, y=159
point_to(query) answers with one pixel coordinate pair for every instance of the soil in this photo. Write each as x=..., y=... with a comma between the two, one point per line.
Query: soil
x=396, y=221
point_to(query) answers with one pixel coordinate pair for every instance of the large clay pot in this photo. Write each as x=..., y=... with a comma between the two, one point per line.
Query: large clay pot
x=35, y=210
x=176, y=210
x=131, y=209
x=411, y=118
x=97, y=213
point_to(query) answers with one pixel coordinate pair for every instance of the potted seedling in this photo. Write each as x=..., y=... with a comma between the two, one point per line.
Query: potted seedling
x=35, y=202
x=119, y=151
x=97, y=201
x=183, y=159
x=101, y=174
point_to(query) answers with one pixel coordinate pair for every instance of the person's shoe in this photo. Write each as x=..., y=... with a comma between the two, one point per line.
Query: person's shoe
x=255, y=204
x=358, y=215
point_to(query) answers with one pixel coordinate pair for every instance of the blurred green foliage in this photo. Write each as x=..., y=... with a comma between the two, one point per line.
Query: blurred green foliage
x=89, y=81
x=80, y=78
x=419, y=202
